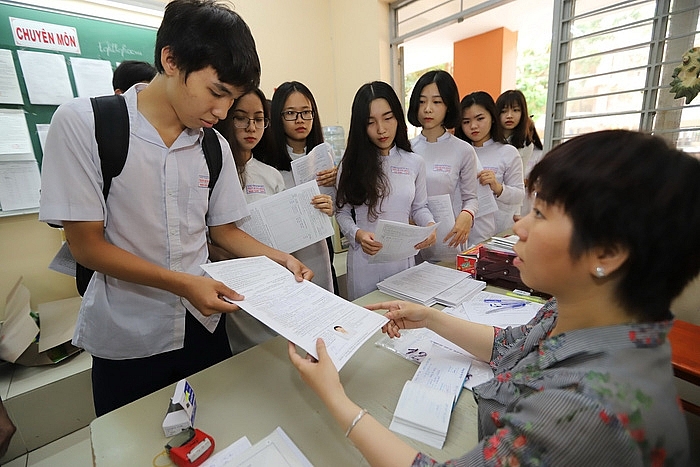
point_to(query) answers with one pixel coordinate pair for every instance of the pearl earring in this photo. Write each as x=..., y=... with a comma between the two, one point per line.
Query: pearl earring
x=599, y=272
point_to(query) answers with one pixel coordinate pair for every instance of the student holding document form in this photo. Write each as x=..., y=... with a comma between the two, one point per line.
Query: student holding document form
x=587, y=382
x=451, y=164
x=379, y=179
x=295, y=130
x=244, y=128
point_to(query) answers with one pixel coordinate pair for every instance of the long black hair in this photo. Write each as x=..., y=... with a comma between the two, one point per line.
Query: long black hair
x=276, y=154
x=362, y=180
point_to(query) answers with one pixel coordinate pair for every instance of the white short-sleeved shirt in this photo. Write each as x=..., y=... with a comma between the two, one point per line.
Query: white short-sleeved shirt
x=157, y=209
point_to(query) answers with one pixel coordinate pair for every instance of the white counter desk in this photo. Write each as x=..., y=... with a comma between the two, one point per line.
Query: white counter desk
x=253, y=392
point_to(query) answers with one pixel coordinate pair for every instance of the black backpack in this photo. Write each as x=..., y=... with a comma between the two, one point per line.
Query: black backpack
x=112, y=135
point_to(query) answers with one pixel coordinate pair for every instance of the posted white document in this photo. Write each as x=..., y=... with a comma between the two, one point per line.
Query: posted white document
x=46, y=77
x=299, y=311
x=398, y=240
x=10, y=92
x=287, y=221
x=92, y=77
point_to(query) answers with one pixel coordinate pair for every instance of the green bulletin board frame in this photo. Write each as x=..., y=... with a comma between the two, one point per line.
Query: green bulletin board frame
x=100, y=39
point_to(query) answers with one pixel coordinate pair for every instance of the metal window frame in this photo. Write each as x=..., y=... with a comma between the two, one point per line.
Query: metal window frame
x=560, y=61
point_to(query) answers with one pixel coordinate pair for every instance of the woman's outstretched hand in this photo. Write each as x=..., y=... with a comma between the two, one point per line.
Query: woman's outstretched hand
x=403, y=315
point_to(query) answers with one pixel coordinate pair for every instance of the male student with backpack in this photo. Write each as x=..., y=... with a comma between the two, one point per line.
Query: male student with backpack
x=149, y=315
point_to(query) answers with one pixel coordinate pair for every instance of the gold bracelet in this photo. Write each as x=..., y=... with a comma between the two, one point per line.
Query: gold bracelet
x=354, y=422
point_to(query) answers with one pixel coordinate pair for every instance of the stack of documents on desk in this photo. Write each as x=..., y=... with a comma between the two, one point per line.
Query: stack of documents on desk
x=275, y=449
x=504, y=244
x=497, y=309
x=429, y=283
x=425, y=406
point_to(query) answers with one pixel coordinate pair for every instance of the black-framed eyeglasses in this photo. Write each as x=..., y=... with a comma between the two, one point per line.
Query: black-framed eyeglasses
x=291, y=115
x=243, y=122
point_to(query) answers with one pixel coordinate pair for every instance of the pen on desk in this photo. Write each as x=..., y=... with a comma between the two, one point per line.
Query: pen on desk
x=500, y=305
x=500, y=301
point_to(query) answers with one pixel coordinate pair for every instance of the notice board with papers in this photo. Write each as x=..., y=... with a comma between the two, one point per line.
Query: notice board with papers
x=48, y=57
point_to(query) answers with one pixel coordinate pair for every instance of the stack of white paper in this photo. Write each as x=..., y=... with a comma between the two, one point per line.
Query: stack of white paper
x=504, y=244
x=463, y=291
x=425, y=406
x=429, y=283
x=275, y=449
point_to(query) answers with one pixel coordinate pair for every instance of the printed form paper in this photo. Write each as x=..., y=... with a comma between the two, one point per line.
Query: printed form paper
x=441, y=207
x=10, y=92
x=398, y=240
x=15, y=143
x=276, y=449
x=487, y=201
x=20, y=184
x=306, y=167
x=299, y=311
x=287, y=221
x=92, y=77
x=421, y=283
x=46, y=77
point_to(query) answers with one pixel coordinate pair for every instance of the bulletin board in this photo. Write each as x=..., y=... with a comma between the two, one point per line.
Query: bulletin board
x=87, y=38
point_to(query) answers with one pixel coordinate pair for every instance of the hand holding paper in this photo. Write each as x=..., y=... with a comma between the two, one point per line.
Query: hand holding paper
x=300, y=311
x=399, y=240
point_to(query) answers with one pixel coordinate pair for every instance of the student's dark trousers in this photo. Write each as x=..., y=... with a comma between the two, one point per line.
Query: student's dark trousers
x=117, y=382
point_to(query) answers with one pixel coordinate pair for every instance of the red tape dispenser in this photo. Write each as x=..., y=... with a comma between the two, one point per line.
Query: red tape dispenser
x=190, y=448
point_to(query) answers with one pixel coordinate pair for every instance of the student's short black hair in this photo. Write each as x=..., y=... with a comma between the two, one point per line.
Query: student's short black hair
x=130, y=72
x=485, y=100
x=202, y=33
x=631, y=190
x=448, y=91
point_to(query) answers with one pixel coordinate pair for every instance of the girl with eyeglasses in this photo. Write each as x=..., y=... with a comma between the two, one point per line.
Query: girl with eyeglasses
x=451, y=164
x=503, y=168
x=295, y=129
x=244, y=128
x=379, y=178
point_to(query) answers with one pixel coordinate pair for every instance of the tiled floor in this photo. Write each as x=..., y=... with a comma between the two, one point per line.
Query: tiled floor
x=70, y=451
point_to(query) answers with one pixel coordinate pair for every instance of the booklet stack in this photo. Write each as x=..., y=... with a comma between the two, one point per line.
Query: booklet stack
x=425, y=406
x=429, y=283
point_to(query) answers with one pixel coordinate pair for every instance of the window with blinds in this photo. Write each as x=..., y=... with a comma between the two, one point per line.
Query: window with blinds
x=613, y=65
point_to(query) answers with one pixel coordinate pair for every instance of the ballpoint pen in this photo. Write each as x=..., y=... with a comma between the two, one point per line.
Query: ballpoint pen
x=499, y=305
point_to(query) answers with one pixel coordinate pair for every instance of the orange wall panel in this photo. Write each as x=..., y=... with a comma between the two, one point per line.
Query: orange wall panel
x=486, y=62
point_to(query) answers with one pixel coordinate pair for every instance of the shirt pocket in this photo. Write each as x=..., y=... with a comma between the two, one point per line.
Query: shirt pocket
x=197, y=206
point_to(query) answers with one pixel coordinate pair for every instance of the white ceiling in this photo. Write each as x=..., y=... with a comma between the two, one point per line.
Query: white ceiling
x=532, y=19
